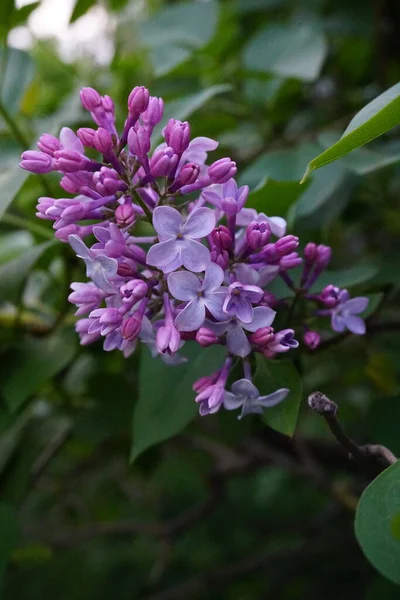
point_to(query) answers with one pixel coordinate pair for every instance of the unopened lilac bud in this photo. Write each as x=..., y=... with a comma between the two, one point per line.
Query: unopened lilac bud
x=163, y=162
x=36, y=162
x=64, y=232
x=103, y=141
x=262, y=336
x=310, y=252
x=286, y=245
x=108, y=105
x=204, y=382
x=258, y=234
x=222, y=170
x=290, y=261
x=90, y=98
x=125, y=269
x=131, y=327
x=222, y=237
x=330, y=296
x=324, y=254
x=269, y=299
x=86, y=136
x=125, y=215
x=312, y=339
x=168, y=339
x=138, y=100
x=139, y=141
x=177, y=135
x=205, y=337
x=220, y=257
x=154, y=112
x=133, y=291
x=48, y=144
x=70, y=161
x=187, y=176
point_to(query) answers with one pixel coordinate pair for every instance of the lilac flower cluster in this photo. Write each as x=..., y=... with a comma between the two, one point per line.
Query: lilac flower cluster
x=202, y=274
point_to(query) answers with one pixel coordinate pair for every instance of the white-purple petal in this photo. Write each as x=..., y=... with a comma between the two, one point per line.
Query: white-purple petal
x=245, y=388
x=191, y=317
x=355, y=324
x=78, y=245
x=237, y=341
x=355, y=305
x=184, y=285
x=213, y=278
x=263, y=316
x=199, y=223
x=167, y=221
x=274, y=398
x=163, y=253
x=195, y=256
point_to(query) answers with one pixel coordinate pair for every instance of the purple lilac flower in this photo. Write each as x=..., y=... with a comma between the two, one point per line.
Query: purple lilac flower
x=239, y=301
x=344, y=315
x=101, y=269
x=245, y=394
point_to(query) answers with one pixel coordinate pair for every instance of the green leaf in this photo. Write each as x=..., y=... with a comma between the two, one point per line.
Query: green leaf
x=13, y=274
x=10, y=439
x=81, y=7
x=347, y=277
x=383, y=421
x=377, y=524
x=14, y=243
x=33, y=364
x=18, y=74
x=7, y=10
x=375, y=119
x=12, y=178
x=166, y=400
x=291, y=50
x=175, y=32
x=271, y=375
x=274, y=197
x=9, y=537
x=19, y=17
x=324, y=184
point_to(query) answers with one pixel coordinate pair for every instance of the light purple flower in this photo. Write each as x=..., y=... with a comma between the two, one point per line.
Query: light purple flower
x=344, y=314
x=260, y=277
x=178, y=245
x=245, y=394
x=282, y=341
x=236, y=338
x=148, y=336
x=86, y=296
x=101, y=269
x=239, y=300
x=199, y=296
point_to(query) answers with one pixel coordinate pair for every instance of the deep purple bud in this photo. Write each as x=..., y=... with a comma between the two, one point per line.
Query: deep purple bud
x=205, y=337
x=204, y=382
x=126, y=270
x=220, y=257
x=285, y=245
x=324, y=254
x=133, y=291
x=138, y=100
x=262, y=336
x=86, y=136
x=139, y=141
x=103, y=141
x=258, y=234
x=290, y=261
x=222, y=237
x=125, y=215
x=64, y=232
x=330, y=296
x=163, y=162
x=131, y=327
x=48, y=144
x=222, y=170
x=177, y=135
x=36, y=162
x=312, y=339
x=269, y=299
x=187, y=176
x=154, y=112
x=310, y=252
x=70, y=161
x=90, y=98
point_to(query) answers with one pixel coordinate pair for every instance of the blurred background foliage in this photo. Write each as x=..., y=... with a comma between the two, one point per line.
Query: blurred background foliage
x=226, y=509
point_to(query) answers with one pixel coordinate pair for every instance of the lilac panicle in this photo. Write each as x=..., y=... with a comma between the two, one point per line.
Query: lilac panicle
x=202, y=273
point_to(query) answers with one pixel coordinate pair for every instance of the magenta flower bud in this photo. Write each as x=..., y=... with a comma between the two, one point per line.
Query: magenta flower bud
x=262, y=336
x=187, y=176
x=103, y=141
x=290, y=261
x=64, y=232
x=324, y=254
x=138, y=100
x=133, y=291
x=222, y=237
x=154, y=112
x=286, y=245
x=310, y=252
x=220, y=257
x=168, y=339
x=131, y=327
x=109, y=318
x=205, y=337
x=125, y=215
x=43, y=205
x=90, y=98
x=330, y=296
x=312, y=339
x=139, y=141
x=68, y=185
x=126, y=270
x=258, y=234
x=86, y=136
x=70, y=161
x=76, y=212
x=269, y=299
x=222, y=170
x=177, y=135
x=204, y=382
x=108, y=105
x=48, y=144
x=36, y=162
x=163, y=162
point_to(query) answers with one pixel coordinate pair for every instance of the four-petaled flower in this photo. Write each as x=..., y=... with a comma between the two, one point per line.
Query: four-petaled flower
x=344, y=314
x=199, y=296
x=178, y=245
x=99, y=268
x=245, y=394
x=240, y=299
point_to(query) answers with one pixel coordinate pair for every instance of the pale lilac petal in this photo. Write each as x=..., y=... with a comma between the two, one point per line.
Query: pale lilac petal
x=237, y=341
x=278, y=226
x=355, y=324
x=253, y=293
x=191, y=317
x=174, y=264
x=250, y=407
x=147, y=332
x=197, y=150
x=267, y=274
x=245, y=388
x=167, y=221
x=218, y=328
x=338, y=323
x=274, y=398
x=246, y=216
x=195, y=256
x=356, y=305
x=109, y=265
x=97, y=275
x=232, y=402
x=244, y=310
x=213, y=278
x=163, y=253
x=184, y=285
x=214, y=302
x=247, y=275
x=79, y=246
x=230, y=189
x=102, y=234
x=263, y=316
x=199, y=223
x=70, y=141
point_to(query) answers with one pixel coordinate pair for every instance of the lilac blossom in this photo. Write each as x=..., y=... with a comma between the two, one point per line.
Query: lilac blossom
x=344, y=315
x=244, y=394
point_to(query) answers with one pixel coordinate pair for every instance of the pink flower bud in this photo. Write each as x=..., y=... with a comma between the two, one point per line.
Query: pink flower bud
x=86, y=136
x=138, y=100
x=139, y=141
x=154, y=112
x=220, y=257
x=310, y=252
x=70, y=161
x=324, y=254
x=131, y=327
x=187, y=176
x=177, y=135
x=205, y=337
x=163, y=162
x=168, y=339
x=126, y=270
x=258, y=234
x=103, y=141
x=312, y=339
x=36, y=162
x=125, y=215
x=290, y=261
x=90, y=98
x=221, y=237
x=262, y=336
x=330, y=296
x=222, y=170
x=48, y=144
x=133, y=291
x=286, y=245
